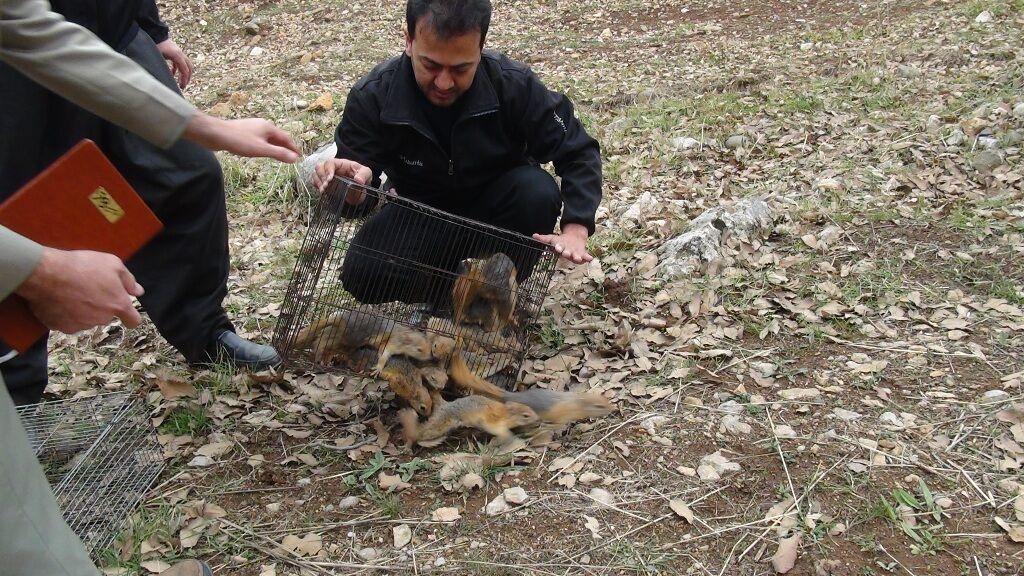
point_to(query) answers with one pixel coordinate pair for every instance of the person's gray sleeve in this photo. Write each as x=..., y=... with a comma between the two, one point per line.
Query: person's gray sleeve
x=18, y=258
x=71, y=61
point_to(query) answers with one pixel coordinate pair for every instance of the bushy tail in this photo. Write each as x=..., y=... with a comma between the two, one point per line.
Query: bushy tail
x=464, y=378
x=306, y=336
x=410, y=425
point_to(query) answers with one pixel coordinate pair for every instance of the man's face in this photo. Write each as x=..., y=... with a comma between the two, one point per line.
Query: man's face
x=444, y=68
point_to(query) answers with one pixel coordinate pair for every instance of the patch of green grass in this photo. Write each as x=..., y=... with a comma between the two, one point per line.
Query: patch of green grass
x=256, y=182
x=636, y=558
x=187, y=419
x=614, y=241
x=550, y=334
x=802, y=103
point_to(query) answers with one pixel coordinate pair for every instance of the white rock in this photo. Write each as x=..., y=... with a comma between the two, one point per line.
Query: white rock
x=956, y=138
x=440, y=561
x=713, y=466
x=256, y=51
x=402, y=535
x=650, y=425
x=643, y=206
x=805, y=46
x=890, y=419
x=603, y=496
x=497, y=506
x=784, y=431
x=703, y=240
x=934, y=123
x=983, y=18
x=987, y=142
x=515, y=495
x=992, y=396
x=847, y=415
x=1018, y=110
x=800, y=393
x=368, y=554
x=685, y=143
x=348, y=502
x=731, y=407
x=986, y=161
x=737, y=141
x=733, y=424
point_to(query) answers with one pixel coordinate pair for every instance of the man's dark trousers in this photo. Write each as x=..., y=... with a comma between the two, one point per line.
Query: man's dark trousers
x=183, y=269
x=400, y=254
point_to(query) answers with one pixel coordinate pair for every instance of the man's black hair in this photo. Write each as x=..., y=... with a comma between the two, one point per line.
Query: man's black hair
x=450, y=18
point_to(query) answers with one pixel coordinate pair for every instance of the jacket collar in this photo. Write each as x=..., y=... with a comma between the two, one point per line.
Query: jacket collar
x=402, y=104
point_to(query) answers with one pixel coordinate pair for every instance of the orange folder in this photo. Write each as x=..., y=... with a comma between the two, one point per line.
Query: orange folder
x=80, y=202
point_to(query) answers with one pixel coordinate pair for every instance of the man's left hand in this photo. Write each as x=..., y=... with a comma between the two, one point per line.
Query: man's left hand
x=181, y=66
x=571, y=244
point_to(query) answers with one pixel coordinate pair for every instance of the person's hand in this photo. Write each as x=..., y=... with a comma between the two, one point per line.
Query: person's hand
x=571, y=244
x=328, y=169
x=181, y=66
x=78, y=289
x=251, y=137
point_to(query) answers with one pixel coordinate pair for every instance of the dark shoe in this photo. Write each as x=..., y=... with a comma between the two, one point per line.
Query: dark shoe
x=230, y=347
x=189, y=568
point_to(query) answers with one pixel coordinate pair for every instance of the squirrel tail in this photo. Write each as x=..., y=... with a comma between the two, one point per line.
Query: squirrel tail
x=464, y=378
x=410, y=425
x=306, y=336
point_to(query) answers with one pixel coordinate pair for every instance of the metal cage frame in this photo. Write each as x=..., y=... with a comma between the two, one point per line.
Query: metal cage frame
x=410, y=260
x=101, y=456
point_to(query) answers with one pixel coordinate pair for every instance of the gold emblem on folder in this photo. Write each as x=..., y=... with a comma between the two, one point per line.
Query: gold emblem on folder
x=106, y=204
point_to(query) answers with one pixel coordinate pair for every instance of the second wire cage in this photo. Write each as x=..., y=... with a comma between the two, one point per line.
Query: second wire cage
x=383, y=279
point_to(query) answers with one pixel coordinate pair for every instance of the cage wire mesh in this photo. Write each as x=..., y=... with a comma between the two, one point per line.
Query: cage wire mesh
x=372, y=275
x=101, y=456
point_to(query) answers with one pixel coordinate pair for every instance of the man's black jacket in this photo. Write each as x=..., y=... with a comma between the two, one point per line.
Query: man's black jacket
x=509, y=119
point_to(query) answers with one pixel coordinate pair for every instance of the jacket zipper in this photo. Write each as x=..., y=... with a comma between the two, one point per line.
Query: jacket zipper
x=451, y=160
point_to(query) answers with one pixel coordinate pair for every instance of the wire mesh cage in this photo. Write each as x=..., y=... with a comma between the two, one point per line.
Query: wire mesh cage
x=388, y=278
x=101, y=456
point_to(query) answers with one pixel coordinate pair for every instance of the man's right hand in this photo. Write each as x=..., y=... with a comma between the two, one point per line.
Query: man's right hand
x=328, y=169
x=245, y=137
x=72, y=290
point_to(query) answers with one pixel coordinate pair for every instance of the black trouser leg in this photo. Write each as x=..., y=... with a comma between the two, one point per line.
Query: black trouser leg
x=524, y=200
x=25, y=374
x=184, y=269
x=400, y=254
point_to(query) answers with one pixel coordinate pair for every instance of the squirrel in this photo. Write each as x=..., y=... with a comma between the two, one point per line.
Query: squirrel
x=406, y=380
x=343, y=333
x=491, y=416
x=485, y=292
x=558, y=408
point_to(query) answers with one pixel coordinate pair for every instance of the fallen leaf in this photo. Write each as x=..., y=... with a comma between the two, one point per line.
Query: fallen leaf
x=593, y=525
x=323, y=102
x=785, y=557
x=680, y=508
x=214, y=449
x=446, y=514
x=1016, y=533
x=390, y=482
x=155, y=566
x=308, y=545
x=174, y=388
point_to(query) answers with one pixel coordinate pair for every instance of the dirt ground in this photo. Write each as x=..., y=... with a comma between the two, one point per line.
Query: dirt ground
x=852, y=374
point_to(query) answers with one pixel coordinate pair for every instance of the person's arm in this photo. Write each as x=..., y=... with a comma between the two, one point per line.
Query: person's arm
x=70, y=61
x=67, y=290
x=554, y=134
x=149, y=21
x=18, y=257
x=361, y=153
